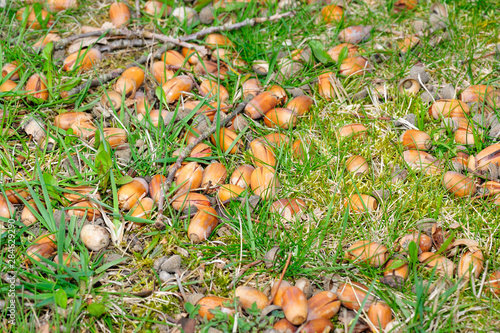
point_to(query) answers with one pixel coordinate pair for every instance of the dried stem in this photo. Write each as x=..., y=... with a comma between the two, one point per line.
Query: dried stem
x=273, y=295
x=242, y=271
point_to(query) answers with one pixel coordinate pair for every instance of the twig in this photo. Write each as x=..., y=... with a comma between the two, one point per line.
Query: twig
x=273, y=295
x=137, y=9
x=94, y=83
x=179, y=284
x=242, y=271
x=185, y=153
x=123, y=44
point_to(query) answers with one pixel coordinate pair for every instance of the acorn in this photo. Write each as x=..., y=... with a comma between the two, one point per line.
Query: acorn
x=34, y=17
x=143, y=209
x=212, y=110
x=295, y=305
x=83, y=60
x=225, y=140
x=157, y=8
x=191, y=55
x=189, y=177
x=278, y=140
x=300, y=105
x=464, y=137
x=279, y=93
x=174, y=58
x=324, y=305
x=111, y=100
x=65, y=120
x=420, y=160
x=487, y=156
x=248, y=296
x=280, y=117
x=115, y=136
x=27, y=216
x=300, y=149
x=218, y=40
x=201, y=150
x=351, y=66
x=157, y=117
x=409, y=86
x=156, y=187
x=177, y=87
x=398, y=267
x=37, y=251
x=334, y=52
x=332, y=13
x=36, y=87
x=94, y=237
x=209, y=303
x=218, y=70
x=447, y=108
x=442, y=265
x=423, y=242
x=119, y=14
x=471, y=262
x=6, y=208
x=241, y=176
x=317, y=326
x=361, y=203
x=60, y=5
x=14, y=195
x=125, y=86
x=130, y=193
x=260, y=67
x=415, y=139
x=278, y=292
x=229, y=191
x=11, y=68
x=325, y=86
x=357, y=165
x=161, y=73
x=136, y=74
x=380, y=314
x=284, y=326
x=69, y=260
x=476, y=93
x=402, y=5
x=7, y=86
x=202, y=224
x=251, y=87
x=368, y=252
x=84, y=209
x=407, y=43
x=214, y=90
x=353, y=131
x=493, y=283
x=288, y=208
x=264, y=182
x=458, y=184
x=354, y=34
x=190, y=199
x=353, y=294
x=259, y=105
x=44, y=40
x=214, y=174
x=184, y=14
x=262, y=155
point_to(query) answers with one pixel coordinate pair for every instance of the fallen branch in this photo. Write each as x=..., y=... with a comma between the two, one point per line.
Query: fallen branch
x=185, y=153
x=273, y=295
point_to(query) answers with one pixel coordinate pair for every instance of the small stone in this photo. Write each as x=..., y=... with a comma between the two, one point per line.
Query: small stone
x=304, y=285
x=270, y=256
x=239, y=123
x=419, y=25
x=194, y=298
x=172, y=264
x=494, y=131
x=288, y=69
x=124, y=155
x=214, y=330
x=381, y=195
x=483, y=120
x=207, y=15
x=447, y=91
x=158, y=262
x=108, y=258
x=450, y=124
x=410, y=118
x=139, y=143
x=295, y=92
x=164, y=276
x=419, y=73
x=398, y=175
x=59, y=216
x=360, y=95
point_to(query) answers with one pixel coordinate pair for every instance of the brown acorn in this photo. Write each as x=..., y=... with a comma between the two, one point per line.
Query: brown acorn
x=156, y=189
x=264, y=182
x=354, y=34
x=420, y=160
x=191, y=55
x=248, y=296
x=471, y=263
x=447, y=108
x=262, y=155
x=83, y=60
x=84, y=209
x=27, y=216
x=115, y=136
x=334, y=52
x=6, y=208
x=60, y=5
x=143, y=209
x=380, y=314
x=415, y=139
x=44, y=40
x=225, y=139
x=407, y=43
x=464, y=137
x=11, y=68
x=357, y=165
x=202, y=224
x=332, y=13
x=284, y=326
x=288, y=208
x=190, y=199
x=65, y=120
x=319, y=325
x=135, y=73
x=280, y=117
x=251, y=87
x=218, y=40
x=397, y=266
x=214, y=175
x=300, y=150
x=300, y=105
x=325, y=86
x=174, y=58
x=214, y=90
x=278, y=140
x=229, y=191
x=34, y=17
x=259, y=105
x=487, y=156
x=279, y=93
x=493, y=283
x=423, y=242
x=119, y=14
x=295, y=305
x=212, y=110
x=368, y=252
x=201, y=150
x=351, y=66
x=209, y=303
x=476, y=93
x=353, y=294
x=442, y=265
x=189, y=177
x=130, y=193
x=241, y=176
x=157, y=8
x=177, y=87
x=94, y=237
x=218, y=70
x=353, y=131
x=458, y=184
x=125, y=86
x=324, y=305
x=278, y=292
x=69, y=260
x=14, y=195
x=36, y=87
x=361, y=203
x=7, y=86
x=161, y=73
x=37, y=251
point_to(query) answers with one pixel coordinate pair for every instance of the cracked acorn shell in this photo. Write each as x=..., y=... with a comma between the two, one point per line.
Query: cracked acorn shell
x=119, y=14
x=155, y=187
x=135, y=73
x=201, y=150
x=279, y=93
x=34, y=18
x=229, y=191
x=372, y=253
x=157, y=8
x=215, y=174
x=288, y=208
x=353, y=294
x=189, y=177
x=84, y=209
x=225, y=139
x=420, y=160
x=441, y=264
x=65, y=120
x=475, y=93
x=202, y=224
x=130, y=193
x=126, y=86
x=323, y=305
x=295, y=305
x=334, y=52
x=262, y=155
x=278, y=292
x=35, y=86
x=260, y=104
x=280, y=117
x=12, y=69
x=487, y=156
x=409, y=86
x=174, y=58
x=300, y=105
x=209, y=303
x=361, y=203
x=357, y=164
x=214, y=90
x=471, y=263
x=353, y=131
x=241, y=176
x=190, y=199
x=380, y=314
x=458, y=184
x=111, y=100
x=14, y=195
x=264, y=182
x=251, y=87
x=415, y=139
x=143, y=209
x=448, y=108
x=82, y=60
x=249, y=295
x=37, y=251
x=332, y=13
x=177, y=87
x=6, y=208
x=161, y=73
x=325, y=88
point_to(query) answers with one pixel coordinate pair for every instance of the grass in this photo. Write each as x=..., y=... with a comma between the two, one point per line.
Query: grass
x=100, y=295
